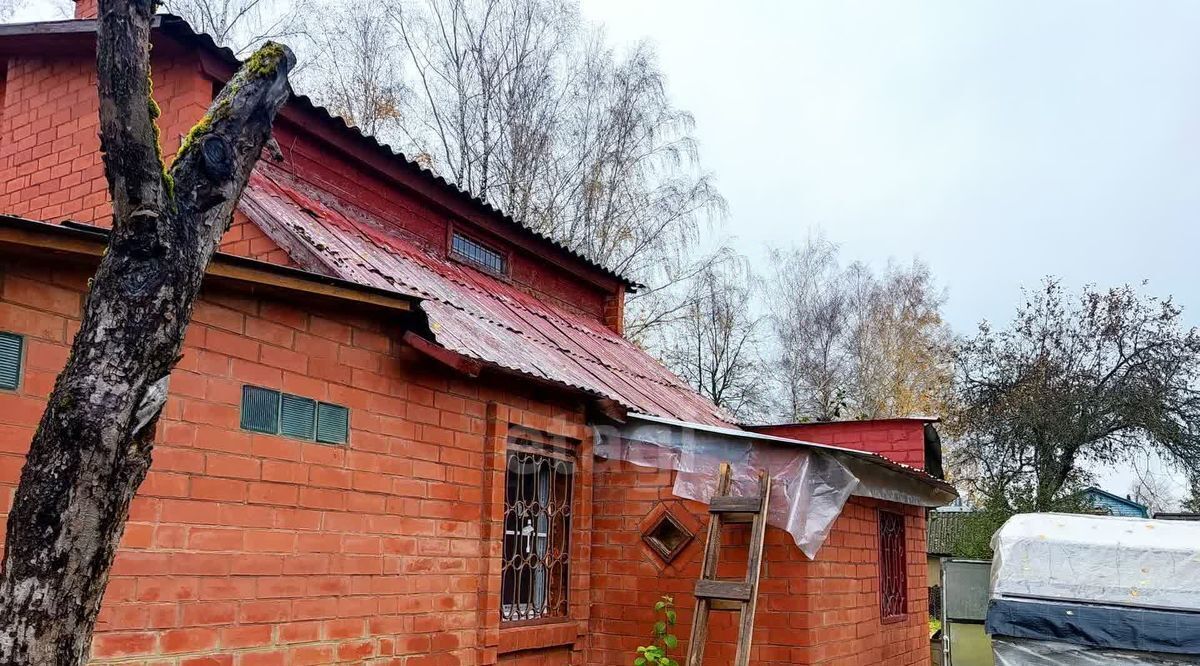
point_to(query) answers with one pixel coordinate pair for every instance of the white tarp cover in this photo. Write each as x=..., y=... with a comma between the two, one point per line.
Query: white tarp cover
x=1024, y=652
x=1098, y=559
x=809, y=485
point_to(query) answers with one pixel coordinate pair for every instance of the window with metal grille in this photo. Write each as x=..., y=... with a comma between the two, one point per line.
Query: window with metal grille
x=11, y=349
x=537, y=532
x=477, y=253
x=275, y=413
x=893, y=571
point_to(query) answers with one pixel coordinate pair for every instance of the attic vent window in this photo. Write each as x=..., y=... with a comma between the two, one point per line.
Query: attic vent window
x=667, y=537
x=474, y=252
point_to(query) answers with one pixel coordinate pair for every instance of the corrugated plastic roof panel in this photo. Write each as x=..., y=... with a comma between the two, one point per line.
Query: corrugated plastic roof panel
x=469, y=312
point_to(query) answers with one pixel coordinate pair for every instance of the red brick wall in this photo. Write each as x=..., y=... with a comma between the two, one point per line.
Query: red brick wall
x=899, y=440
x=251, y=549
x=50, y=151
x=824, y=611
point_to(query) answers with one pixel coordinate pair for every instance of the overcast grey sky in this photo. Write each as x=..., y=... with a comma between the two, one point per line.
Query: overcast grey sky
x=999, y=141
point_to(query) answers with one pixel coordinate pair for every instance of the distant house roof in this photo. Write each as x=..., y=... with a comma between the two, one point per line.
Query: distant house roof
x=945, y=531
x=1115, y=504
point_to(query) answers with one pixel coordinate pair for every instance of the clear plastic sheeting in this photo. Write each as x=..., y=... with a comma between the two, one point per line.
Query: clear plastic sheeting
x=1098, y=559
x=810, y=483
x=1024, y=652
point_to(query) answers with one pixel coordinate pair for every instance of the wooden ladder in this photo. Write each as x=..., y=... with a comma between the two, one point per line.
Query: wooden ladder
x=727, y=595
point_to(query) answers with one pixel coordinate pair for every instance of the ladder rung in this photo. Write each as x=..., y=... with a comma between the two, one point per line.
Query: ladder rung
x=723, y=590
x=723, y=605
x=732, y=504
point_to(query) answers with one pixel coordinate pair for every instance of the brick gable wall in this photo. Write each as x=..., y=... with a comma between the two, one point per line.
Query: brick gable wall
x=51, y=170
x=49, y=141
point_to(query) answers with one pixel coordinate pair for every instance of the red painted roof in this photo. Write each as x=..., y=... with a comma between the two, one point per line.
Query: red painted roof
x=469, y=312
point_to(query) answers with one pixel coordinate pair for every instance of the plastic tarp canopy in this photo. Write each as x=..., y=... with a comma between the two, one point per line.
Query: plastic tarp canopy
x=810, y=483
x=1098, y=559
x=1024, y=652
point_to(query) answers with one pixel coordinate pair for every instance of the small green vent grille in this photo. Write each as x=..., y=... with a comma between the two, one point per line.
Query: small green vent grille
x=10, y=360
x=260, y=409
x=333, y=423
x=297, y=416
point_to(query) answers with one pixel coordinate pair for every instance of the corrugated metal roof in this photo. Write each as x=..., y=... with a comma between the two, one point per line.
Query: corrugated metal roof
x=469, y=312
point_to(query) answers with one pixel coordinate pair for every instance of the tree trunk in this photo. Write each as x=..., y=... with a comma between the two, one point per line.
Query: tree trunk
x=92, y=447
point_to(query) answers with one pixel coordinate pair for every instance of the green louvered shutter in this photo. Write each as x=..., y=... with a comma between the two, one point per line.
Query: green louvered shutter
x=333, y=423
x=260, y=409
x=10, y=360
x=297, y=416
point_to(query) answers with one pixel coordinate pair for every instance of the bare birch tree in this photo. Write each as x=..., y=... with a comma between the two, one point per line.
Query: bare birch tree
x=715, y=343
x=92, y=447
x=242, y=25
x=853, y=344
x=356, y=68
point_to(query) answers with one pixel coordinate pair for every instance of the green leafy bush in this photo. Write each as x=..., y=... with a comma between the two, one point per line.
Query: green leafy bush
x=655, y=654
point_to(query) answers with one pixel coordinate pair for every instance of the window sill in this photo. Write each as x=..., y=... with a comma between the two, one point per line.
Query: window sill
x=537, y=636
x=893, y=619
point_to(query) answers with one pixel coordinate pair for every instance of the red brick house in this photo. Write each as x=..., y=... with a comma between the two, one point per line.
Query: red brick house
x=378, y=446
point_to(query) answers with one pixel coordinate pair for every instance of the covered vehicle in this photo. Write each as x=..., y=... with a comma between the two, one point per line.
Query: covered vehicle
x=1076, y=590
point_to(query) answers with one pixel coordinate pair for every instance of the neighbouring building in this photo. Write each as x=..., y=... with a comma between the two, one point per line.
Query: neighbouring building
x=380, y=443
x=1114, y=505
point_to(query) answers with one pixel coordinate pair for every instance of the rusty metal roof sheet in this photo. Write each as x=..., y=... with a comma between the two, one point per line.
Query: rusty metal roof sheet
x=469, y=312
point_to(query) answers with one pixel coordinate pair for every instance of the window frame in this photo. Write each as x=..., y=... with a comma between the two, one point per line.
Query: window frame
x=525, y=444
x=893, y=567
x=278, y=429
x=505, y=255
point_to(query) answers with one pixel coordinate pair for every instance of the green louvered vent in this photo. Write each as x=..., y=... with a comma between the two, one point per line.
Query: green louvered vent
x=260, y=409
x=333, y=423
x=297, y=416
x=10, y=360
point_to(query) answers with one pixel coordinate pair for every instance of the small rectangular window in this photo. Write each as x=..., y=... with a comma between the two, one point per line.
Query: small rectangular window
x=893, y=570
x=537, y=533
x=12, y=347
x=297, y=416
x=260, y=409
x=333, y=423
x=479, y=254
x=276, y=413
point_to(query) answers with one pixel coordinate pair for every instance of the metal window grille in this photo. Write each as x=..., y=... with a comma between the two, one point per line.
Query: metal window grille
x=478, y=254
x=537, y=533
x=893, y=572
